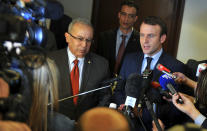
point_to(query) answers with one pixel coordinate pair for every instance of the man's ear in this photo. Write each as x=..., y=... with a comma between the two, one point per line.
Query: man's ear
x=163, y=38
x=119, y=15
x=136, y=18
x=66, y=36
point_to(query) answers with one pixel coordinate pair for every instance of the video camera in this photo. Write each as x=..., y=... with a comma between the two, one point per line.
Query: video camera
x=28, y=15
x=20, y=41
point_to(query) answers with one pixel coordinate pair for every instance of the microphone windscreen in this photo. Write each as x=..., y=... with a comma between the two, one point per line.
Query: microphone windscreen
x=166, y=79
x=134, y=88
x=133, y=85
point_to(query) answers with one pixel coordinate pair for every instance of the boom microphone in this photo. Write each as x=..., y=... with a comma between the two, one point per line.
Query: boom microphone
x=167, y=82
x=165, y=70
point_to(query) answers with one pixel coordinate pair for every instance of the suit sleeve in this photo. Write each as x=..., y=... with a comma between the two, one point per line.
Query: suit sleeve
x=105, y=94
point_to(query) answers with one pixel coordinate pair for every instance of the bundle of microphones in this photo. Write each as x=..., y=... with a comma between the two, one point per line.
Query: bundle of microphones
x=141, y=88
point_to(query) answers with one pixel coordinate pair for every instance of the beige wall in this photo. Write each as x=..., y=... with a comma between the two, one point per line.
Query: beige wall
x=193, y=38
x=77, y=8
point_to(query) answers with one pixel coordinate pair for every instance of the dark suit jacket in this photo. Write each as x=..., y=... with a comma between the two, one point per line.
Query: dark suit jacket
x=95, y=70
x=106, y=46
x=132, y=64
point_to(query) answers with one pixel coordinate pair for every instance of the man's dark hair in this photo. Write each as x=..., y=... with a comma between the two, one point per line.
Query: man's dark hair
x=154, y=20
x=130, y=3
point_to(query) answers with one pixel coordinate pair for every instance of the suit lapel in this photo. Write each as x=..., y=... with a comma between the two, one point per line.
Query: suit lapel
x=86, y=72
x=113, y=44
x=156, y=72
x=65, y=75
x=139, y=62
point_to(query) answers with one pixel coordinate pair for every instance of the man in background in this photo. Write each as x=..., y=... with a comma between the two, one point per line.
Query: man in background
x=116, y=43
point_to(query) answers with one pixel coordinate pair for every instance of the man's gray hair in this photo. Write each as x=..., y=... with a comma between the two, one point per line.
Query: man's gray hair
x=79, y=20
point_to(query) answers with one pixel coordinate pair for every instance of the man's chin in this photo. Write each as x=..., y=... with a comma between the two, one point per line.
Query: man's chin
x=81, y=55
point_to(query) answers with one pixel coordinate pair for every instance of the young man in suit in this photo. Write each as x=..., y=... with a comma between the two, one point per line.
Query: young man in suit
x=80, y=71
x=153, y=33
x=109, y=42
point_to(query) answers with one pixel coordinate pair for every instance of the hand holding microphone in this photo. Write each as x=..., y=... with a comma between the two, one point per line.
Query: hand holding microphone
x=187, y=106
x=167, y=83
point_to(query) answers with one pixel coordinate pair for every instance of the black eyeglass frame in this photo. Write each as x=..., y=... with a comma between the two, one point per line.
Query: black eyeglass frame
x=81, y=39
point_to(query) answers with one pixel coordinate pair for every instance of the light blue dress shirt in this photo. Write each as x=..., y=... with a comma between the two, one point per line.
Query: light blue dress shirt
x=119, y=39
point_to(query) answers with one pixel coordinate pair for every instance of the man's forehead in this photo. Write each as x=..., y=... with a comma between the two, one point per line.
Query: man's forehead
x=149, y=28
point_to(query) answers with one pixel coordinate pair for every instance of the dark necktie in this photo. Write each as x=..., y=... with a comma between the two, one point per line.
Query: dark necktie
x=74, y=75
x=149, y=59
x=120, y=54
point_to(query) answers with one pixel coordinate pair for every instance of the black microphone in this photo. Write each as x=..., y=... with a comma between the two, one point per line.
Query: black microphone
x=132, y=92
x=137, y=86
x=167, y=82
x=162, y=91
x=145, y=85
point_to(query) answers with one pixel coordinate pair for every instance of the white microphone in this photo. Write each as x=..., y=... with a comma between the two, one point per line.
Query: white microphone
x=200, y=68
x=113, y=105
x=129, y=105
x=130, y=101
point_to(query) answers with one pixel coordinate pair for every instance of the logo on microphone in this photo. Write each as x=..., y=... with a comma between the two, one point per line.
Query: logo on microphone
x=130, y=101
x=166, y=76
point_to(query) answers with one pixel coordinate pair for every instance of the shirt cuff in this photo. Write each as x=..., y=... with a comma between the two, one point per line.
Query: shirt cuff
x=200, y=119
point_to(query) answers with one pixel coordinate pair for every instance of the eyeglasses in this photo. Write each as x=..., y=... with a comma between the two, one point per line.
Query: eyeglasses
x=132, y=16
x=81, y=39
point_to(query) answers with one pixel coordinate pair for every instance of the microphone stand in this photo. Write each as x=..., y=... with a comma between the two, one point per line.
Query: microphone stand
x=150, y=109
x=83, y=93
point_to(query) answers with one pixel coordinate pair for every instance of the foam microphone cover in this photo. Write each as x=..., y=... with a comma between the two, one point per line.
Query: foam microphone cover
x=133, y=85
x=134, y=88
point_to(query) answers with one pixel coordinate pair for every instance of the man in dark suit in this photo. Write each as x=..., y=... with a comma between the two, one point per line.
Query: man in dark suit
x=90, y=68
x=109, y=42
x=153, y=33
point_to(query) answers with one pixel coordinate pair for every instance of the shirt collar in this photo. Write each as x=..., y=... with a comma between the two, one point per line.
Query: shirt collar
x=128, y=34
x=71, y=57
x=155, y=56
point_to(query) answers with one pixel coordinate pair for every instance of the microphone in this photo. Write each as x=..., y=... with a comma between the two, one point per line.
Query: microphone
x=162, y=91
x=164, y=70
x=109, y=81
x=129, y=105
x=137, y=86
x=167, y=83
x=132, y=92
x=200, y=68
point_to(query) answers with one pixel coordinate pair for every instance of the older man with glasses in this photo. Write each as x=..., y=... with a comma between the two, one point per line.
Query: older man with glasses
x=80, y=71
